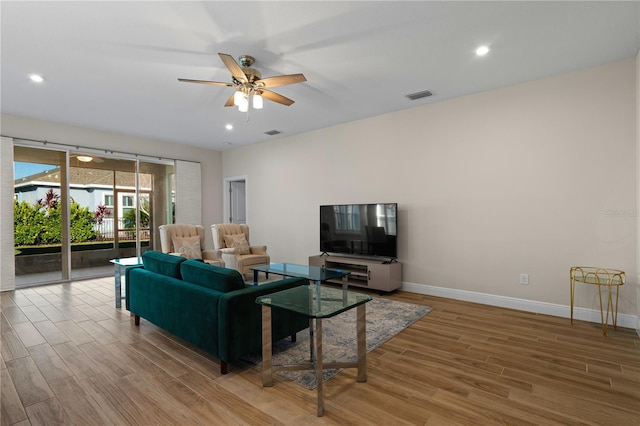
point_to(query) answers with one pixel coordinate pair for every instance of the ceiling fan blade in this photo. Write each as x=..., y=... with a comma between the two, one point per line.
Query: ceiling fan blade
x=273, y=96
x=230, y=100
x=233, y=67
x=281, y=80
x=212, y=83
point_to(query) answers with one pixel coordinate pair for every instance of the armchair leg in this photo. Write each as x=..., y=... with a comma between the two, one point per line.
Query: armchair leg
x=224, y=367
x=294, y=337
x=136, y=319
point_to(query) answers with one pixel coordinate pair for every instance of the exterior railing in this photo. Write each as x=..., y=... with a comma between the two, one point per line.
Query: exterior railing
x=106, y=231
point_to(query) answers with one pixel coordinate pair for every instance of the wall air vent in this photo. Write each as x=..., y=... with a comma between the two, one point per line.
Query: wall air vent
x=272, y=132
x=419, y=95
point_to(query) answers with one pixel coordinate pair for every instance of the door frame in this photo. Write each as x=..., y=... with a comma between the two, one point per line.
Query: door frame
x=227, y=197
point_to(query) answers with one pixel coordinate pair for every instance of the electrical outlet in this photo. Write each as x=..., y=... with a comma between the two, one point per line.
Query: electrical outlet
x=524, y=279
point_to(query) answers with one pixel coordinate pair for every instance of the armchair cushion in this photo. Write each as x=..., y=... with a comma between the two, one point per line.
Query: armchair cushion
x=188, y=247
x=214, y=277
x=238, y=242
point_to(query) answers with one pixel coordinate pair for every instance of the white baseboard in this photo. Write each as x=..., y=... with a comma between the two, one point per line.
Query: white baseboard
x=564, y=311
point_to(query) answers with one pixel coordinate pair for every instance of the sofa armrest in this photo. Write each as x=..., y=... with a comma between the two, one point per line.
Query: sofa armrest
x=126, y=287
x=189, y=311
x=240, y=319
x=258, y=250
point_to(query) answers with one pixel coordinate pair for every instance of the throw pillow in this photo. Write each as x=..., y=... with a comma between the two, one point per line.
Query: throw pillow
x=238, y=242
x=188, y=247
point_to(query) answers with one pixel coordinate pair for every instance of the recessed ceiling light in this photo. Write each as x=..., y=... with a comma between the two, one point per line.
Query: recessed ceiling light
x=482, y=50
x=36, y=78
x=229, y=126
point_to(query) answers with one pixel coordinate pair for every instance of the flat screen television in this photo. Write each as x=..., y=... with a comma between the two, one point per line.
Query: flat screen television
x=360, y=229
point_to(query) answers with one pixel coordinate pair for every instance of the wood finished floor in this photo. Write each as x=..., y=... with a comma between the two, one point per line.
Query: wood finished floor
x=70, y=357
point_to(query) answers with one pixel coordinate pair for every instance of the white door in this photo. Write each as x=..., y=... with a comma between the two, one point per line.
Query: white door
x=238, y=203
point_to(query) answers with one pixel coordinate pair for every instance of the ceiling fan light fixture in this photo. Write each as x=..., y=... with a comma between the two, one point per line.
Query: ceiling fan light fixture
x=244, y=104
x=257, y=101
x=84, y=158
x=237, y=97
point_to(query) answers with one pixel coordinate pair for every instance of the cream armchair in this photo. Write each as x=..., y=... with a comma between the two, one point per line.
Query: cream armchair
x=232, y=241
x=187, y=241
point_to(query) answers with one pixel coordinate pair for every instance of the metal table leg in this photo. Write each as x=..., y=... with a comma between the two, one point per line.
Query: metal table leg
x=318, y=366
x=267, y=376
x=118, y=281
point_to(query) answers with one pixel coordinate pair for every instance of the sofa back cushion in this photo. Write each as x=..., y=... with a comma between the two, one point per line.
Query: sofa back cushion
x=161, y=263
x=214, y=277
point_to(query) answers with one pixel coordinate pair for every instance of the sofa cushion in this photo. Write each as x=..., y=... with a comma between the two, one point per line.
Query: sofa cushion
x=214, y=277
x=238, y=242
x=188, y=247
x=162, y=263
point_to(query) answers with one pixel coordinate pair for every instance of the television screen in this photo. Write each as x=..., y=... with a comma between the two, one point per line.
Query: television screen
x=359, y=229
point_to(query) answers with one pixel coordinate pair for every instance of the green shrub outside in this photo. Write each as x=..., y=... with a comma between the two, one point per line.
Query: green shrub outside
x=82, y=221
x=35, y=224
x=28, y=223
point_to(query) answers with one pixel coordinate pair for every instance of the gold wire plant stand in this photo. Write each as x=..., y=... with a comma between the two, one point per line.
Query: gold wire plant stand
x=609, y=278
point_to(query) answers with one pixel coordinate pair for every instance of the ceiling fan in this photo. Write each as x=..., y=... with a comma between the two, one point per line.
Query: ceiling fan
x=249, y=83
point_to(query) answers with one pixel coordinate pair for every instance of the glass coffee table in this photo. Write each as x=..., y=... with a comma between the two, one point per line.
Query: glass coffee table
x=317, y=274
x=315, y=302
x=120, y=266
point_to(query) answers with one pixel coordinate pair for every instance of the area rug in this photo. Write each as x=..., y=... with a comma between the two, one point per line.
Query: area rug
x=385, y=319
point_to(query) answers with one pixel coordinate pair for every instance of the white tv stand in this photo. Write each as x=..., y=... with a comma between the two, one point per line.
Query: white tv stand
x=374, y=274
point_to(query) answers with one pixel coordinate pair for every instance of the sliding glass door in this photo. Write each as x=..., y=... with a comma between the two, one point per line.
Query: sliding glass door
x=74, y=212
x=38, y=212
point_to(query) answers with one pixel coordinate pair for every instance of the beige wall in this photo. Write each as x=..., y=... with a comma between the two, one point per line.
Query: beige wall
x=17, y=126
x=533, y=178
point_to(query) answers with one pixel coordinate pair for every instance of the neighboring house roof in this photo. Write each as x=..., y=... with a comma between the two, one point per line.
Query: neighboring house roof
x=86, y=177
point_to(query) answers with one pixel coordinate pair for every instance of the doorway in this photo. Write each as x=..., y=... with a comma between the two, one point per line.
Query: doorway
x=236, y=200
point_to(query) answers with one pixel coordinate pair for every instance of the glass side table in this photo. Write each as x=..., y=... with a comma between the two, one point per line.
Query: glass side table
x=315, y=302
x=610, y=278
x=120, y=266
x=317, y=274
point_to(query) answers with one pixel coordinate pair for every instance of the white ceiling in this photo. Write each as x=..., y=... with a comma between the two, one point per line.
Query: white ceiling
x=114, y=65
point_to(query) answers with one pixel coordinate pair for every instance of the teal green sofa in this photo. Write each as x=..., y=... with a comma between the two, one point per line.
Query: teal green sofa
x=206, y=305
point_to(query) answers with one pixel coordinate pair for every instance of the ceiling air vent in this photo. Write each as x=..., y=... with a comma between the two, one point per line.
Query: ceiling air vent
x=419, y=95
x=273, y=132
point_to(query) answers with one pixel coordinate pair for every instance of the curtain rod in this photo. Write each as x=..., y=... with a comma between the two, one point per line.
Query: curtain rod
x=95, y=151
